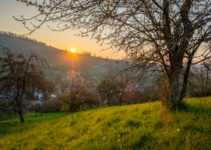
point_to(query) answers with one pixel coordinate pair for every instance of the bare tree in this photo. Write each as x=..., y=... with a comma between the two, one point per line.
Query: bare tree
x=168, y=33
x=19, y=79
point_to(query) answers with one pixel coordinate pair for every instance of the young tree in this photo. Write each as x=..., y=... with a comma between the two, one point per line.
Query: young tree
x=168, y=33
x=75, y=93
x=19, y=78
x=72, y=90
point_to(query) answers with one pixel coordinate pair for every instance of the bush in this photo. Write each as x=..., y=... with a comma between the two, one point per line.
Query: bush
x=78, y=99
x=51, y=105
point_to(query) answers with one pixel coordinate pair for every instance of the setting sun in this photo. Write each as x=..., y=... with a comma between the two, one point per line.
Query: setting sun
x=73, y=50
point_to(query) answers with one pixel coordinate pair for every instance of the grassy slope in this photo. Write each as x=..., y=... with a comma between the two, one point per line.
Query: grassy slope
x=142, y=126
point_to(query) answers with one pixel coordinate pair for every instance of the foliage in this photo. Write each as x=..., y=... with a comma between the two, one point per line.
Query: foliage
x=142, y=126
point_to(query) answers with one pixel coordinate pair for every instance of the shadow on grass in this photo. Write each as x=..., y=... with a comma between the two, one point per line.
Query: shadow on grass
x=14, y=125
x=196, y=109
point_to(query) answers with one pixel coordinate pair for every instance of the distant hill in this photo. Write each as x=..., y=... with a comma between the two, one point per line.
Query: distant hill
x=60, y=61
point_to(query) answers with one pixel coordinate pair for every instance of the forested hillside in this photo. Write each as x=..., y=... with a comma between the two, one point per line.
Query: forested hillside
x=60, y=61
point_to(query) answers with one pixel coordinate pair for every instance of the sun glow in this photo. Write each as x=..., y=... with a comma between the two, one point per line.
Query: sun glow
x=73, y=50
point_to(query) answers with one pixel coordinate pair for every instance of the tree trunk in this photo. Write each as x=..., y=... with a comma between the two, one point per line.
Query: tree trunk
x=171, y=101
x=185, y=82
x=174, y=89
x=20, y=111
x=21, y=116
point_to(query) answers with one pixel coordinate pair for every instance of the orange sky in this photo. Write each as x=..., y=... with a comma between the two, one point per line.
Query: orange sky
x=63, y=40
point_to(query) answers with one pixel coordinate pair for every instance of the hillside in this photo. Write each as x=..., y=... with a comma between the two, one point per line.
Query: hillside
x=90, y=67
x=141, y=126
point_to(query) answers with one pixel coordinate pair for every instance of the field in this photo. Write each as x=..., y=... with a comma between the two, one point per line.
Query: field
x=141, y=126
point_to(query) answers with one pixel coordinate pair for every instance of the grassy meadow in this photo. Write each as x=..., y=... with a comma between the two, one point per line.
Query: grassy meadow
x=131, y=127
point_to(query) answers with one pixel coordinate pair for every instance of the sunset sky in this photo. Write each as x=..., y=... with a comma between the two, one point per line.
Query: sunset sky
x=62, y=40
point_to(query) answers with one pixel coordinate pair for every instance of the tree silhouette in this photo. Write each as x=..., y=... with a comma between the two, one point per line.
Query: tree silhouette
x=157, y=35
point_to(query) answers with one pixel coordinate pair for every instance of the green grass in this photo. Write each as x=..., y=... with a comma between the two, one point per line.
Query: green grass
x=142, y=126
